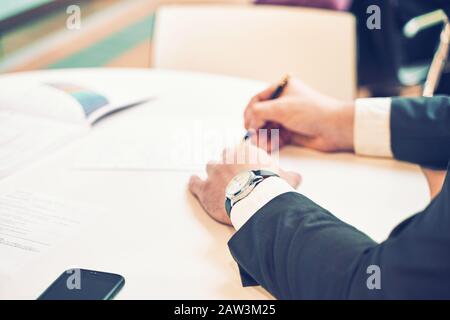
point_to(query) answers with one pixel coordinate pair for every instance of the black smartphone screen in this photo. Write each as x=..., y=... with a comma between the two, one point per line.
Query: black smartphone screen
x=81, y=284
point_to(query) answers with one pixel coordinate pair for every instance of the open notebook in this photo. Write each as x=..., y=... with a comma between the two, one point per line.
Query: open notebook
x=36, y=118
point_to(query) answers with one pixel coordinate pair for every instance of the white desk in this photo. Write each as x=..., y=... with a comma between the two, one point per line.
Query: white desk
x=154, y=233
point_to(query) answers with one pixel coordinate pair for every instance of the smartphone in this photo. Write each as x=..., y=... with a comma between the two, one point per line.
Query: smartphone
x=81, y=284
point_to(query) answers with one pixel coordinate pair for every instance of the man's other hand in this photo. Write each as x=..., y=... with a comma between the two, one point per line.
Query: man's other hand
x=304, y=116
x=211, y=192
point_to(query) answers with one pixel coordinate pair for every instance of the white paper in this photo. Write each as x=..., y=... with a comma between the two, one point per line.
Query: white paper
x=64, y=101
x=24, y=139
x=31, y=224
x=158, y=144
x=38, y=118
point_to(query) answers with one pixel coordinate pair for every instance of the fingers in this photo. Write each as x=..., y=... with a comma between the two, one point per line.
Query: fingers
x=262, y=96
x=196, y=186
x=212, y=166
x=266, y=94
x=247, y=115
x=293, y=178
x=262, y=112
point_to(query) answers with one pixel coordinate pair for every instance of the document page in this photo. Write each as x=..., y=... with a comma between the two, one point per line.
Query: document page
x=23, y=139
x=31, y=224
x=37, y=118
x=65, y=101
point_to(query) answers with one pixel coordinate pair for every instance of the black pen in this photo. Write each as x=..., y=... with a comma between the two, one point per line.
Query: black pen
x=275, y=95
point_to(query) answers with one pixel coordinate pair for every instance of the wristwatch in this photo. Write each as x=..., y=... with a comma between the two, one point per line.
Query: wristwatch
x=242, y=184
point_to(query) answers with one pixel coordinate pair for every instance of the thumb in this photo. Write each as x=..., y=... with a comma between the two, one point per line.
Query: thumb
x=196, y=186
x=293, y=178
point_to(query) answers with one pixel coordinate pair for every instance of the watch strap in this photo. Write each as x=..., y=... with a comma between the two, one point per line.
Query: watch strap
x=265, y=173
x=228, y=206
x=261, y=173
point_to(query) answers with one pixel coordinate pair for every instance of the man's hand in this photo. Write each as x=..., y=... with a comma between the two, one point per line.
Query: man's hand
x=211, y=192
x=304, y=116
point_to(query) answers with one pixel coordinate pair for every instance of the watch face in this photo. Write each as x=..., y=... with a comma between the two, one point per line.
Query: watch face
x=238, y=183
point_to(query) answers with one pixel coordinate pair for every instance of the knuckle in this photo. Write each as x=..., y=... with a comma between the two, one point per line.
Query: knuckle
x=250, y=108
x=252, y=103
x=211, y=165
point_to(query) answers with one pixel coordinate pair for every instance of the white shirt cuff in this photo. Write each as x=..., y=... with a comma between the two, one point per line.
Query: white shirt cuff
x=265, y=191
x=372, y=131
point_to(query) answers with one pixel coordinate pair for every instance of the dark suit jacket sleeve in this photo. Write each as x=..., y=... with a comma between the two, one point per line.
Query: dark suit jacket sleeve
x=297, y=250
x=420, y=130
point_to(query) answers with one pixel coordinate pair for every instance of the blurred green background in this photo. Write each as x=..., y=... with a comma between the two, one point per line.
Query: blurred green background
x=33, y=34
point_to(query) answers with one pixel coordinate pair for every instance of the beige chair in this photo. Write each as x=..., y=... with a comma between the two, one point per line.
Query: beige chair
x=260, y=42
